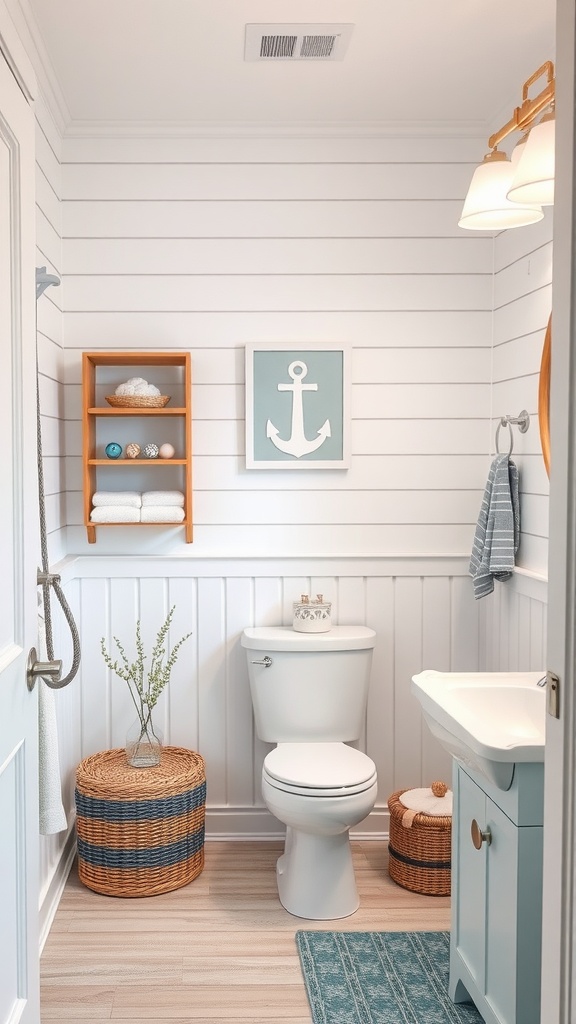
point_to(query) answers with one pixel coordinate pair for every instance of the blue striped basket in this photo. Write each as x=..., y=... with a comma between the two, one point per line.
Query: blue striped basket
x=140, y=830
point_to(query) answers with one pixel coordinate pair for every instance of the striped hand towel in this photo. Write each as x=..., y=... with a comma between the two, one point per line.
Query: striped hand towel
x=498, y=529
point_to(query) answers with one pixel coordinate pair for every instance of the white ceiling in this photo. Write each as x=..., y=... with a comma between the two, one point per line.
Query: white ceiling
x=445, y=64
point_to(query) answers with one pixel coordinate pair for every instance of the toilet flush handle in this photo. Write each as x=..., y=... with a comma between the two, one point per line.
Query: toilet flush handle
x=266, y=661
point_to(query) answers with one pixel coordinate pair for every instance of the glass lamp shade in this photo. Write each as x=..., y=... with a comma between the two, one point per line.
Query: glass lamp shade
x=517, y=153
x=486, y=207
x=533, y=176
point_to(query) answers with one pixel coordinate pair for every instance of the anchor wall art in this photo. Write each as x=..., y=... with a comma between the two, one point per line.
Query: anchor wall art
x=296, y=407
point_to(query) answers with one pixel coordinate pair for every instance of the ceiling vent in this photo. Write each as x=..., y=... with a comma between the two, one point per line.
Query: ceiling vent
x=297, y=42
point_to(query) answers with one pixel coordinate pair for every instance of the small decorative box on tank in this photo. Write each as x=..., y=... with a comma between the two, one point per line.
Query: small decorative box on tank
x=312, y=616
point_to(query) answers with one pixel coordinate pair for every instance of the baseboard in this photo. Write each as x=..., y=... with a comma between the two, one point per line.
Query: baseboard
x=256, y=823
x=53, y=891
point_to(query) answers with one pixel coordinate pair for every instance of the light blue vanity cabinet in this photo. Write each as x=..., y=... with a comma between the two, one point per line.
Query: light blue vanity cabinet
x=497, y=894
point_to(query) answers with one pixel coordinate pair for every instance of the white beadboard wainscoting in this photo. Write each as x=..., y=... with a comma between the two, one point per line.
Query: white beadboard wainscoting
x=513, y=626
x=424, y=615
x=418, y=621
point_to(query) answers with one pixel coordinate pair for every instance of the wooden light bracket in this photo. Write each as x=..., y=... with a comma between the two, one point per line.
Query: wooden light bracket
x=525, y=115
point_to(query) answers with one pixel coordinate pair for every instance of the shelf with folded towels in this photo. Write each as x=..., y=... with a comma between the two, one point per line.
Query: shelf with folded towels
x=114, y=508
x=104, y=424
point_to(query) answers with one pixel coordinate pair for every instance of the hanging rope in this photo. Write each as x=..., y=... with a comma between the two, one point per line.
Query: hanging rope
x=47, y=579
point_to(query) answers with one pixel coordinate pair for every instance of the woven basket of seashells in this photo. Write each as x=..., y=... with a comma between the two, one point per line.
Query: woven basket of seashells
x=138, y=401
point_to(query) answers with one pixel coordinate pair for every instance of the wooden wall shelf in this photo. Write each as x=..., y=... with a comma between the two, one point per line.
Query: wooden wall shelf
x=95, y=382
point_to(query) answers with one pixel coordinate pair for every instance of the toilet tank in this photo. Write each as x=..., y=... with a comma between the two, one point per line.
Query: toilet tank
x=309, y=687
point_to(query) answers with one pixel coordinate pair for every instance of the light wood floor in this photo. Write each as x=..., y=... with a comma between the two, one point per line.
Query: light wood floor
x=219, y=949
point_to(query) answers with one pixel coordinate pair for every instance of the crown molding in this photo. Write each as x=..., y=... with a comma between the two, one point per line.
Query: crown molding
x=46, y=77
x=15, y=54
x=273, y=129
x=69, y=128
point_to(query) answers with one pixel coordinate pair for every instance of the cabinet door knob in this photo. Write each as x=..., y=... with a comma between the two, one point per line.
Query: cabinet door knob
x=478, y=836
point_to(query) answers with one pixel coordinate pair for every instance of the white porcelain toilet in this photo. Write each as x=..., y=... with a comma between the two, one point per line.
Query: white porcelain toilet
x=309, y=693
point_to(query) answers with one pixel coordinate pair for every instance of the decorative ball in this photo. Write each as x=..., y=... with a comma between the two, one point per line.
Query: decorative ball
x=150, y=451
x=113, y=450
x=132, y=450
x=166, y=451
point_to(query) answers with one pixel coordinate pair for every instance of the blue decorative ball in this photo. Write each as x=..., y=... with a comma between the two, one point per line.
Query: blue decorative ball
x=113, y=450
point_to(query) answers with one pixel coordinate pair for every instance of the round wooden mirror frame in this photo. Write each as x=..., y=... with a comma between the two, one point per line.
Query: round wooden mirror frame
x=544, y=396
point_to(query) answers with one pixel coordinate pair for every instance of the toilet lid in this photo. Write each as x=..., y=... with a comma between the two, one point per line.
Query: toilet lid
x=331, y=768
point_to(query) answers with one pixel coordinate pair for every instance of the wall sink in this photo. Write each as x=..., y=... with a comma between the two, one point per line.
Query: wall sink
x=487, y=720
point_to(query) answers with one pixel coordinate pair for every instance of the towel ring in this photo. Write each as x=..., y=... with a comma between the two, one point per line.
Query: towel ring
x=504, y=423
x=522, y=422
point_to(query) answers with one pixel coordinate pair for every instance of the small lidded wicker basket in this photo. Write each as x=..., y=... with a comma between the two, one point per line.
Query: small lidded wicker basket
x=420, y=842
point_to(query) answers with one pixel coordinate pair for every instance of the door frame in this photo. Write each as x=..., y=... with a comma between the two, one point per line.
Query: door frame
x=559, y=908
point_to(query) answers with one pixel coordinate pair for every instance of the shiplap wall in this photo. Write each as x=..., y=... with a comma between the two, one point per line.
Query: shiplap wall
x=49, y=321
x=522, y=305
x=207, y=245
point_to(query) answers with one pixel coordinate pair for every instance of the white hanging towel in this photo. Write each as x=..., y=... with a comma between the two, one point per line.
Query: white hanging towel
x=498, y=530
x=52, y=814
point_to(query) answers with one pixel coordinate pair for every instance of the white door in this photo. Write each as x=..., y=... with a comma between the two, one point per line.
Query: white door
x=19, y=844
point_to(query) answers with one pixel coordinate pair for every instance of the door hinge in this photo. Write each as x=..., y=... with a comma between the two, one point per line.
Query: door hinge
x=553, y=694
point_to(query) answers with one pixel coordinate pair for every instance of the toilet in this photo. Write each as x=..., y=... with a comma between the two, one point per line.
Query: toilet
x=309, y=694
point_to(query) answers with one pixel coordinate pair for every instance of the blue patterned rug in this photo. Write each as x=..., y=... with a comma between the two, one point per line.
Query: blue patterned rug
x=380, y=978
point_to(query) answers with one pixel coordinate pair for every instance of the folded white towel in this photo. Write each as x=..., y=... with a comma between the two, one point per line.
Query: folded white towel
x=163, y=498
x=115, y=514
x=131, y=498
x=162, y=514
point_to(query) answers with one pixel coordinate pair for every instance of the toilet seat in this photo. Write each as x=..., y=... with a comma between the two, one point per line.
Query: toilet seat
x=319, y=769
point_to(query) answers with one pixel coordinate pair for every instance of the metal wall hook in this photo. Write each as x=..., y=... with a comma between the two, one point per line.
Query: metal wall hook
x=50, y=671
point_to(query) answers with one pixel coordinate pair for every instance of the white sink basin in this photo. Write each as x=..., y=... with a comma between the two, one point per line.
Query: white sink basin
x=488, y=720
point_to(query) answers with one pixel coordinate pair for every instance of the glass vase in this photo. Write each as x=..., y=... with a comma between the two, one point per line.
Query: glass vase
x=143, y=744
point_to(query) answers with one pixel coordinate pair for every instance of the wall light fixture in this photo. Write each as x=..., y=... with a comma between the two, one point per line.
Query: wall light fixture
x=509, y=193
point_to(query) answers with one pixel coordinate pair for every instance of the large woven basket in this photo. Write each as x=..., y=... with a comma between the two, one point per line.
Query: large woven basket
x=420, y=847
x=140, y=830
x=138, y=401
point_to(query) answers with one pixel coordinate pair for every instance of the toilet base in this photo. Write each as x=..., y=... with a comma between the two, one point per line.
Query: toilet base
x=315, y=876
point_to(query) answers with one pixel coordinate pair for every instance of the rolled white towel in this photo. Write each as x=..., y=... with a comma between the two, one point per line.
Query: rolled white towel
x=131, y=498
x=162, y=514
x=115, y=514
x=175, y=498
